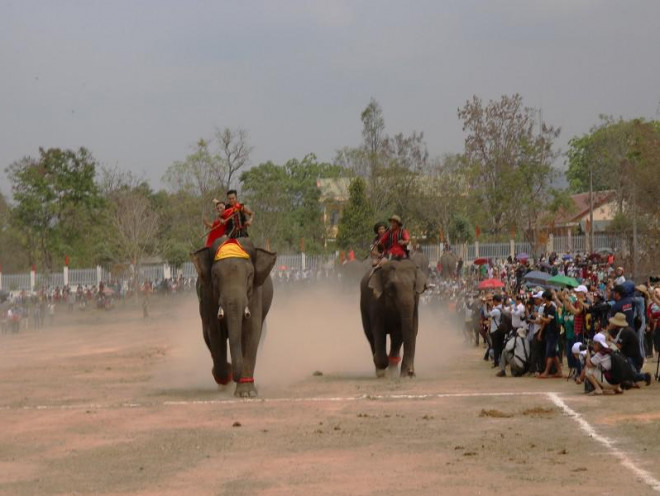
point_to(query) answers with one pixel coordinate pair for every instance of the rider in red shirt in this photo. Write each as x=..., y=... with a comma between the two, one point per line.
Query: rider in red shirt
x=218, y=227
x=395, y=240
x=239, y=217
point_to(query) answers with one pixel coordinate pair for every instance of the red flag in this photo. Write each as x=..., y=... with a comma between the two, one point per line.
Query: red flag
x=302, y=245
x=477, y=231
x=66, y=260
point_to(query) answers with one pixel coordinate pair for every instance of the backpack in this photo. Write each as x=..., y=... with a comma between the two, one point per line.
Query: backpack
x=519, y=362
x=505, y=324
x=621, y=370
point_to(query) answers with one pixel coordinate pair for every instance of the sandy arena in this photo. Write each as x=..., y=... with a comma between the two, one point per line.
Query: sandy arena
x=109, y=403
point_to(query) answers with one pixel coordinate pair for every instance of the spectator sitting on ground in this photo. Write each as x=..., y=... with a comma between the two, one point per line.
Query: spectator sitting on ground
x=627, y=341
x=598, y=366
x=515, y=354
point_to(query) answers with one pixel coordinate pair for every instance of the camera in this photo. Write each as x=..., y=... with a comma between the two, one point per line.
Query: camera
x=654, y=279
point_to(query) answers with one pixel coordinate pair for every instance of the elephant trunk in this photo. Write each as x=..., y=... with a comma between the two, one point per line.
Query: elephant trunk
x=234, y=315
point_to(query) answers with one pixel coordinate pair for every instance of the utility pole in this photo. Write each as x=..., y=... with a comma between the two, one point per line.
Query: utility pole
x=591, y=207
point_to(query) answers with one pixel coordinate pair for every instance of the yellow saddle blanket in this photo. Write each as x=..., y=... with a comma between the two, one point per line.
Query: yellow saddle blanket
x=230, y=249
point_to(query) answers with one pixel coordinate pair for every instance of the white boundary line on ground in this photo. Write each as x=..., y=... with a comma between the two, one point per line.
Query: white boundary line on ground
x=317, y=399
x=646, y=477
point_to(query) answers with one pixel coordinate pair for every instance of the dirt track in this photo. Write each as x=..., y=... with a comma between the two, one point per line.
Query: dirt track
x=109, y=403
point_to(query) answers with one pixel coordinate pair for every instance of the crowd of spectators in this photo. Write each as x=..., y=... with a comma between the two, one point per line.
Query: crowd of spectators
x=23, y=310
x=576, y=326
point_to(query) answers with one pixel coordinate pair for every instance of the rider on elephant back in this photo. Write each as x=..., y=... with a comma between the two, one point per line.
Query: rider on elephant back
x=218, y=228
x=393, y=242
x=239, y=217
x=376, y=251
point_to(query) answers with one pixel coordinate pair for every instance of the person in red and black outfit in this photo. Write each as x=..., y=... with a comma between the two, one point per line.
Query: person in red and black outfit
x=218, y=226
x=394, y=242
x=239, y=216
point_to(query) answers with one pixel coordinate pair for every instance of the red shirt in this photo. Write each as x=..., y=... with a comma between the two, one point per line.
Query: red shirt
x=217, y=231
x=390, y=242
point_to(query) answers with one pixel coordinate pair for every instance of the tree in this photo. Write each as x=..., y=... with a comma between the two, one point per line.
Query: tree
x=441, y=196
x=10, y=238
x=606, y=152
x=285, y=199
x=509, y=159
x=201, y=174
x=56, y=200
x=357, y=219
x=135, y=224
x=391, y=165
x=235, y=152
x=461, y=230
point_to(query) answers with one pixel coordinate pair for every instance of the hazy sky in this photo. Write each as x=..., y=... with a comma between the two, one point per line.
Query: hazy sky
x=138, y=82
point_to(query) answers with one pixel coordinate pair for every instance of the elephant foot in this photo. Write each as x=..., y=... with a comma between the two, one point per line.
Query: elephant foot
x=393, y=363
x=410, y=374
x=245, y=388
x=380, y=373
x=223, y=378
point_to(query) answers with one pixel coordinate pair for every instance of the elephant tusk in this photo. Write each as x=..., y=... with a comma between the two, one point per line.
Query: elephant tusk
x=247, y=313
x=221, y=313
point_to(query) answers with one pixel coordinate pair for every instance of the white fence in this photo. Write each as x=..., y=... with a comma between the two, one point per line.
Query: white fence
x=572, y=244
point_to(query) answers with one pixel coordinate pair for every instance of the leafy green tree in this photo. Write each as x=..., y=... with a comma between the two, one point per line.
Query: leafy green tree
x=285, y=200
x=357, y=219
x=606, y=154
x=56, y=200
x=392, y=166
x=11, y=259
x=461, y=230
x=509, y=157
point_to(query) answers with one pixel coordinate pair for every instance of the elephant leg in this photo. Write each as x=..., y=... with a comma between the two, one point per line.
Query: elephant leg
x=380, y=355
x=368, y=330
x=221, y=371
x=409, y=335
x=394, y=357
x=252, y=327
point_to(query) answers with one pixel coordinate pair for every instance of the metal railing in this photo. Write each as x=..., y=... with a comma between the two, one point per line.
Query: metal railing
x=155, y=273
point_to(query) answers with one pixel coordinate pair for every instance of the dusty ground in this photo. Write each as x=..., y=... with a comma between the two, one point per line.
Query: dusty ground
x=109, y=403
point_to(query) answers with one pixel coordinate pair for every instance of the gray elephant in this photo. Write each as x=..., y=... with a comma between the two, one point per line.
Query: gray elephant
x=235, y=293
x=448, y=261
x=421, y=261
x=353, y=271
x=389, y=304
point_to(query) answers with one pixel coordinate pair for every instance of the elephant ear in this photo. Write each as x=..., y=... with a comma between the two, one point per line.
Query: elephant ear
x=375, y=283
x=263, y=263
x=202, y=260
x=420, y=281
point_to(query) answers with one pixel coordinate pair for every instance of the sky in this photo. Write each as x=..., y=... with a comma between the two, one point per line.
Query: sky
x=139, y=82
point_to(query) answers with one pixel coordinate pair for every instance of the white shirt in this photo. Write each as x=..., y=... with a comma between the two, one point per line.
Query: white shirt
x=495, y=318
x=517, y=316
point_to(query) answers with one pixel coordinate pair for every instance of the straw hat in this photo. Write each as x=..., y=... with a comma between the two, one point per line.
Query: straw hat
x=619, y=320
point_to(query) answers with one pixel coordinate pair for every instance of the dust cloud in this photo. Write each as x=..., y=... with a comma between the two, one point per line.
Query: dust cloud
x=317, y=328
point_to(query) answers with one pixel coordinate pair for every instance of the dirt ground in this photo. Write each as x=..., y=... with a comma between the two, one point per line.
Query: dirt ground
x=109, y=403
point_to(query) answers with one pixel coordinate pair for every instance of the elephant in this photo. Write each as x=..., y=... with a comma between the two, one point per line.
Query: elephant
x=389, y=304
x=421, y=261
x=352, y=272
x=235, y=294
x=448, y=260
